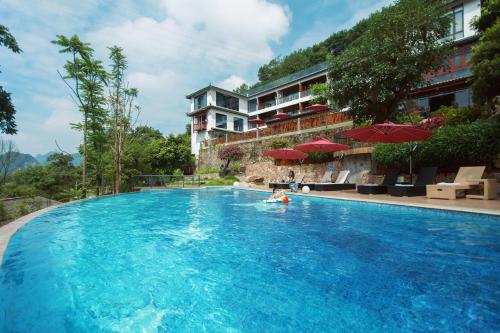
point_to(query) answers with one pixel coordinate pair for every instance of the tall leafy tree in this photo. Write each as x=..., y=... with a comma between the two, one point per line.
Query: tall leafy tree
x=485, y=62
x=7, y=110
x=123, y=112
x=85, y=78
x=401, y=43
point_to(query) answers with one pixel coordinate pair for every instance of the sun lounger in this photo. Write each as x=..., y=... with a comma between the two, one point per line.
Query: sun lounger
x=279, y=183
x=339, y=184
x=327, y=178
x=390, y=178
x=425, y=177
x=463, y=181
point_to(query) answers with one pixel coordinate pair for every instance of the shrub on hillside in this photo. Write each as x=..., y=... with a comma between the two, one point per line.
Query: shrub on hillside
x=454, y=116
x=279, y=143
x=450, y=147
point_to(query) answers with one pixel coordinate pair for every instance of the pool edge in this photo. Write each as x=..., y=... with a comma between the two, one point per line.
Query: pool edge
x=8, y=230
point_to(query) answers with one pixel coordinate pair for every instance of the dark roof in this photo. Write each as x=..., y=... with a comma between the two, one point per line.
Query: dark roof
x=206, y=108
x=201, y=91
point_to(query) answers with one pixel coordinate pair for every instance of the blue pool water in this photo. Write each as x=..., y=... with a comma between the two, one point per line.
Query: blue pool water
x=219, y=260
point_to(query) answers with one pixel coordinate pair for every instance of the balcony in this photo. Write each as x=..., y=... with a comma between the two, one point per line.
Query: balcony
x=297, y=123
x=200, y=126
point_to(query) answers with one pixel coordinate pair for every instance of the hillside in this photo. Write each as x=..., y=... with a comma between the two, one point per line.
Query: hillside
x=20, y=161
x=310, y=56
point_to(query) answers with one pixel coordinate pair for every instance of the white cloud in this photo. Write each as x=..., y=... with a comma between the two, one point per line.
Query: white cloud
x=351, y=14
x=173, y=47
x=38, y=134
x=231, y=82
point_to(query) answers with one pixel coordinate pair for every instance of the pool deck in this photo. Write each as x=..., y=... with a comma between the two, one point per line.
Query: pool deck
x=491, y=207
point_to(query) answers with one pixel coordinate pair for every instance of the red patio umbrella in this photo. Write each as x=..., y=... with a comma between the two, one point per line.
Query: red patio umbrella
x=317, y=107
x=390, y=133
x=256, y=121
x=286, y=154
x=281, y=116
x=322, y=145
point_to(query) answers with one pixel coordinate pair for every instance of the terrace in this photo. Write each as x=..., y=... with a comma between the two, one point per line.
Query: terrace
x=293, y=125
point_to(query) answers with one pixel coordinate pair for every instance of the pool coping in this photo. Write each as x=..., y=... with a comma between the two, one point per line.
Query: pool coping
x=8, y=230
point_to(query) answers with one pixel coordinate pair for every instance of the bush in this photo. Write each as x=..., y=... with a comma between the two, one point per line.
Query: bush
x=455, y=116
x=235, y=168
x=319, y=157
x=279, y=143
x=26, y=206
x=450, y=147
x=3, y=213
x=207, y=171
x=178, y=172
x=12, y=190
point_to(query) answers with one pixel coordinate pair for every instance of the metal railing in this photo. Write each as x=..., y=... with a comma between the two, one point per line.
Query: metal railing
x=165, y=181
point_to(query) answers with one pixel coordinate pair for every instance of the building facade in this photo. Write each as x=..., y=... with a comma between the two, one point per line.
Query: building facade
x=216, y=112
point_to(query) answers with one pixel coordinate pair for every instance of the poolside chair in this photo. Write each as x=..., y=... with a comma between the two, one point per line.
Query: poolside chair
x=391, y=176
x=279, y=183
x=463, y=181
x=425, y=177
x=339, y=184
x=326, y=178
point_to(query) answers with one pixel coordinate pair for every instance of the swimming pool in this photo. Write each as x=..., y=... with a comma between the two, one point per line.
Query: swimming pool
x=222, y=260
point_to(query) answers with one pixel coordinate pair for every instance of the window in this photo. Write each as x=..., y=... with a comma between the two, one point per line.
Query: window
x=238, y=124
x=228, y=102
x=200, y=101
x=220, y=120
x=457, y=23
x=252, y=105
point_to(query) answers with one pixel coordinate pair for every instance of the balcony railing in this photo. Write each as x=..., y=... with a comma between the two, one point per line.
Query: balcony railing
x=200, y=126
x=303, y=122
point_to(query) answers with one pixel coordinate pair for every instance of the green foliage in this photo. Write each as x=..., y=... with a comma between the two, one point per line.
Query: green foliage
x=7, y=109
x=303, y=58
x=454, y=116
x=235, y=168
x=485, y=64
x=450, y=147
x=49, y=181
x=3, y=213
x=409, y=118
x=242, y=89
x=171, y=153
x=178, y=172
x=26, y=206
x=490, y=13
x=279, y=143
x=319, y=157
x=319, y=93
x=207, y=171
x=228, y=180
x=377, y=71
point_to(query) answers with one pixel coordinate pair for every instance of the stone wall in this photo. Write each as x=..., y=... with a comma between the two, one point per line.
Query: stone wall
x=256, y=164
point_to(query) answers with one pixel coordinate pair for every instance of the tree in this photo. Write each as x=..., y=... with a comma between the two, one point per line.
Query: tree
x=242, y=89
x=121, y=105
x=229, y=153
x=8, y=154
x=171, y=153
x=86, y=78
x=401, y=43
x=485, y=62
x=7, y=109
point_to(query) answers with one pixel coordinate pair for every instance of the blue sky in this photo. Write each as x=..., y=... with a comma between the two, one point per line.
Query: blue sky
x=174, y=47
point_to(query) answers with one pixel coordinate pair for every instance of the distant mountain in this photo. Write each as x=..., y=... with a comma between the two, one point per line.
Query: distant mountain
x=22, y=162
x=42, y=158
